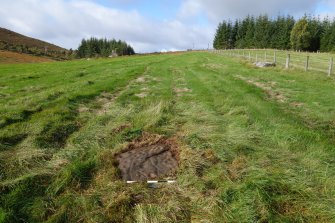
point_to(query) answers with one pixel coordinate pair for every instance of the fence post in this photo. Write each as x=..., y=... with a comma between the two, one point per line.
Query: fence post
x=288, y=58
x=274, y=58
x=330, y=66
x=307, y=63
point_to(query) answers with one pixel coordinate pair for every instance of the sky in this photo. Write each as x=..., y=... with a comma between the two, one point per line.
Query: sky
x=147, y=25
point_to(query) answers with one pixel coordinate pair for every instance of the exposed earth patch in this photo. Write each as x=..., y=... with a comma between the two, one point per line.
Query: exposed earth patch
x=148, y=159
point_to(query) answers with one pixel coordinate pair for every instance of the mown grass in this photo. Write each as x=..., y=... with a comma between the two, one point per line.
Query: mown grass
x=256, y=145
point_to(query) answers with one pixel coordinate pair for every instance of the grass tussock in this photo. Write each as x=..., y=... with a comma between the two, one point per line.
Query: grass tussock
x=54, y=135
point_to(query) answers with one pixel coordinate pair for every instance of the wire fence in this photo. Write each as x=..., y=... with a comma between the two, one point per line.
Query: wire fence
x=320, y=62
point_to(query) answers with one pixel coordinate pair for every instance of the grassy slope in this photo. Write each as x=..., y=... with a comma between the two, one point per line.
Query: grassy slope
x=7, y=57
x=255, y=145
x=18, y=39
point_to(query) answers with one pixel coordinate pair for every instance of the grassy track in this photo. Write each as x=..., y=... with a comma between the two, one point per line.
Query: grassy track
x=256, y=145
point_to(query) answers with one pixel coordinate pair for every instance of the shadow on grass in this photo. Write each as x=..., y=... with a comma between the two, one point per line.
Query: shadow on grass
x=7, y=142
x=54, y=135
x=22, y=116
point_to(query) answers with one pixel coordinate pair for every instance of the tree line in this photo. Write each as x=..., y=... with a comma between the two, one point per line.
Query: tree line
x=95, y=47
x=284, y=32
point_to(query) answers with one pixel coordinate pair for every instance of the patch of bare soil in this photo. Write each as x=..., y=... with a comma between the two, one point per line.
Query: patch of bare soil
x=151, y=157
x=212, y=66
x=83, y=109
x=182, y=90
x=140, y=80
x=146, y=78
x=268, y=87
x=106, y=99
x=120, y=128
x=297, y=104
x=237, y=168
x=141, y=95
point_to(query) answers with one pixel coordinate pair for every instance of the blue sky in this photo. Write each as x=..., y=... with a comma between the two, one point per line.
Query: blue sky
x=147, y=25
x=160, y=10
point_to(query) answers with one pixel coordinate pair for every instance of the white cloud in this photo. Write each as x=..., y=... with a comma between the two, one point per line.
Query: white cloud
x=217, y=10
x=67, y=22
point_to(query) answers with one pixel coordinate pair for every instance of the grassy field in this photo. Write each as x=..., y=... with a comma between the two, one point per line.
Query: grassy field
x=318, y=62
x=255, y=145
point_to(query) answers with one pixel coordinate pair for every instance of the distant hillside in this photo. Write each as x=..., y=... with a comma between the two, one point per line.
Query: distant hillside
x=7, y=57
x=15, y=42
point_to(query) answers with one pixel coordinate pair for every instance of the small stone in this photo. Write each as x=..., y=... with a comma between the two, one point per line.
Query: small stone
x=265, y=64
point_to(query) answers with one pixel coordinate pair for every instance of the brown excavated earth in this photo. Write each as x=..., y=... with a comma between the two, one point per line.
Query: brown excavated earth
x=145, y=160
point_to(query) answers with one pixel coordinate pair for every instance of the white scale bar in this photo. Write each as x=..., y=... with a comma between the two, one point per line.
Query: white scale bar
x=154, y=181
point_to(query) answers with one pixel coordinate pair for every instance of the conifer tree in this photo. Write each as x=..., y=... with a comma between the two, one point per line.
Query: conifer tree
x=94, y=47
x=283, y=32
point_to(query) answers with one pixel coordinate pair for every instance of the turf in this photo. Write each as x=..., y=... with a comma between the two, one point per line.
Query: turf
x=255, y=145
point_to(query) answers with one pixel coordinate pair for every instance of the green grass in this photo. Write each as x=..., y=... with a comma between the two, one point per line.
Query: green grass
x=256, y=145
x=318, y=62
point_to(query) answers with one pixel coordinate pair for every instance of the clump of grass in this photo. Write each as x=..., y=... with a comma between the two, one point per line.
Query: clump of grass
x=78, y=174
x=121, y=209
x=7, y=142
x=24, y=115
x=55, y=95
x=131, y=134
x=15, y=203
x=54, y=135
x=157, y=213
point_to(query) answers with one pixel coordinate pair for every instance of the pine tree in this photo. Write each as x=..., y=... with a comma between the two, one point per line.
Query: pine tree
x=262, y=32
x=217, y=39
x=250, y=33
x=331, y=40
x=241, y=33
x=315, y=29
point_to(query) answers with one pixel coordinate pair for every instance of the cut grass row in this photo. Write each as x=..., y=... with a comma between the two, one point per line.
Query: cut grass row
x=245, y=155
